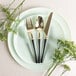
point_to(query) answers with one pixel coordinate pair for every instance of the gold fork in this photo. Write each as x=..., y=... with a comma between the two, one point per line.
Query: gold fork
x=29, y=27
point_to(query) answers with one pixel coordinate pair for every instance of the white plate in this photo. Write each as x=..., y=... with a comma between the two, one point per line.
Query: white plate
x=18, y=46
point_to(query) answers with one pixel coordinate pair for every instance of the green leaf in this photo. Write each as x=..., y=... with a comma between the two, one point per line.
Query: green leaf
x=66, y=67
x=1, y=36
x=66, y=50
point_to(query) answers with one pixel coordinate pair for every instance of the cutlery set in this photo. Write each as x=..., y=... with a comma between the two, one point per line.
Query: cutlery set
x=39, y=27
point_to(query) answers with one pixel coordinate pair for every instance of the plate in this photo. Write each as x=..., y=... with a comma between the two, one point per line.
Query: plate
x=19, y=44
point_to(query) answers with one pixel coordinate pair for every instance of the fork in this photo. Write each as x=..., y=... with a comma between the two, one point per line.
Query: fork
x=29, y=27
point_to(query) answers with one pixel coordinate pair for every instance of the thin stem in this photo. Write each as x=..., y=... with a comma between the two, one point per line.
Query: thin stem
x=63, y=73
x=17, y=7
x=53, y=69
x=50, y=68
x=11, y=3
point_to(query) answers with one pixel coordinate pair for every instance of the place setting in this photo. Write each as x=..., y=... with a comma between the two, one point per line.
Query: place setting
x=35, y=40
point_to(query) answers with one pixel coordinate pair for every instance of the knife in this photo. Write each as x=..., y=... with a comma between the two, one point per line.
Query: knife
x=46, y=29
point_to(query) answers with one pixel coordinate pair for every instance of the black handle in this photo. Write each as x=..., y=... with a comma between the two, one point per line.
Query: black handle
x=43, y=50
x=39, y=51
x=34, y=51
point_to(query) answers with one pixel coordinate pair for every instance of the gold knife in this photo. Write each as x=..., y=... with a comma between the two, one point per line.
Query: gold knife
x=46, y=29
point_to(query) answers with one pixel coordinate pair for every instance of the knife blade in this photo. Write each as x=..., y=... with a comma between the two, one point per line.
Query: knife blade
x=46, y=29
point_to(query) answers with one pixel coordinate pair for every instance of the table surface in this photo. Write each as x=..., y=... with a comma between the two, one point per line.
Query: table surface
x=66, y=8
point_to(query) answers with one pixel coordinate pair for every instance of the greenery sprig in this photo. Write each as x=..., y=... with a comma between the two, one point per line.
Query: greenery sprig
x=6, y=22
x=66, y=51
